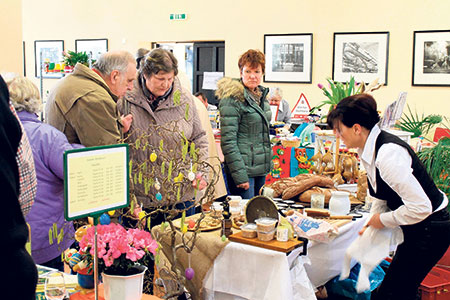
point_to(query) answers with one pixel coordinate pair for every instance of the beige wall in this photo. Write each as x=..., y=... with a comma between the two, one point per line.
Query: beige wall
x=11, y=58
x=242, y=25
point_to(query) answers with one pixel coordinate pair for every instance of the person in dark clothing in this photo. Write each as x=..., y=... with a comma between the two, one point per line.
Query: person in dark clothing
x=20, y=277
x=398, y=179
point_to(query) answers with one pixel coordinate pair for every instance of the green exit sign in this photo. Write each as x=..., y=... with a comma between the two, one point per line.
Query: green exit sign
x=178, y=16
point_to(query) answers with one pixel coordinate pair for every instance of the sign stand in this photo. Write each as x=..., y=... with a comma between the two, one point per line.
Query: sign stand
x=95, y=181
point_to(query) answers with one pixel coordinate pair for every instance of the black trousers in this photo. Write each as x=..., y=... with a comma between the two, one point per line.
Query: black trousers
x=424, y=244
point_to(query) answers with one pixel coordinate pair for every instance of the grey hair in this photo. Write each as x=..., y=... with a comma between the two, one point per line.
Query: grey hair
x=23, y=93
x=275, y=91
x=114, y=60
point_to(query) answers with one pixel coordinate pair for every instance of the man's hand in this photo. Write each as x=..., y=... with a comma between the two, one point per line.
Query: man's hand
x=245, y=185
x=126, y=122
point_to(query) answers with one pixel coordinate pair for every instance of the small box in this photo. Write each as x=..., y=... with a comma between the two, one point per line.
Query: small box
x=436, y=286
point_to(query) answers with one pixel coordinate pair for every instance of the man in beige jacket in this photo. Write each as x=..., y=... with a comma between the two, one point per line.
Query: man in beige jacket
x=83, y=105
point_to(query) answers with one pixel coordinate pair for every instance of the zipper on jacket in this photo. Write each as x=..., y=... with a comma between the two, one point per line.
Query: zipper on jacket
x=253, y=155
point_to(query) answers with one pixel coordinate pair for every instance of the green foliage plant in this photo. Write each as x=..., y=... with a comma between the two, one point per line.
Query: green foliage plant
x=418, y=125
x=338, y=91
x=71, y=58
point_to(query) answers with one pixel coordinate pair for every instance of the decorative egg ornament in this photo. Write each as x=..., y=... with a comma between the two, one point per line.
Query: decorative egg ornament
x=111, y=212
x=191, y=176
x=153, y=157
x=142, y=215
x=224, y=238
x=189, y=273
x=158, y=196
x=157, y=185
x=104, y=219
x=191, y=223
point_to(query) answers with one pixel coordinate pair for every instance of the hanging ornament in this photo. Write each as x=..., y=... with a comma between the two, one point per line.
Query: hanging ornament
x=191, y=223
x=157, y=185
x=153, y=157
x=158, y=196
x=224, y=238
x=104, y=219
x=191, y=175
x=111, y=212
x=189, y=272
x=142, y=215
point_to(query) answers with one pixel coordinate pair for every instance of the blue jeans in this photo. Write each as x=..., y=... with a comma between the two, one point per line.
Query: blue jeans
x=255, y=185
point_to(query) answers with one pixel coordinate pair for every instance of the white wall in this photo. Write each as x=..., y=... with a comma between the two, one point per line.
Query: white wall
x=242, y=25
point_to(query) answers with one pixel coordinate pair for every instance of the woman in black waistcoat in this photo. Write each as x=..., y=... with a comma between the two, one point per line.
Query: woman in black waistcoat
x=396, y=178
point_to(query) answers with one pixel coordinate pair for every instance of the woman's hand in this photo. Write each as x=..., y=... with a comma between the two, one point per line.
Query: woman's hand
x=374, y=221
x=245, y=185
x=126, y=122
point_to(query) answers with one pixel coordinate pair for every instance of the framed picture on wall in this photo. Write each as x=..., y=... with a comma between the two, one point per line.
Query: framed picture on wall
x=288, y=57
x=48, y=56
x=431, y=58
x=363, y=55
x=93, y=47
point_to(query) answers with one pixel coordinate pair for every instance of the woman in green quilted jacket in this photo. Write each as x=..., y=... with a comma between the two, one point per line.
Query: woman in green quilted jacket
x=244, y=120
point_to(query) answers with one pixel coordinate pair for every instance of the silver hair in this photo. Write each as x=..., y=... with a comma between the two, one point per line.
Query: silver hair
x=23, y=93
x=275, y=91
x=114, y=60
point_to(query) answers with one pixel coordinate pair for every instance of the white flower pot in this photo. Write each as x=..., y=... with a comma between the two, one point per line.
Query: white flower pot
x=124, y=287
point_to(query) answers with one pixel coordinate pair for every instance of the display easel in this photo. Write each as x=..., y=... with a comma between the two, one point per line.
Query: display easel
x=95, y=181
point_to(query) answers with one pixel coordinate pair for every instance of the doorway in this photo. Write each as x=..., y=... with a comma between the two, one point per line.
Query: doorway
x=195, y=58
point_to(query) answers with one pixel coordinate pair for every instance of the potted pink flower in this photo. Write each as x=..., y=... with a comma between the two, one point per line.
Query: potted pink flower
x=122, y=255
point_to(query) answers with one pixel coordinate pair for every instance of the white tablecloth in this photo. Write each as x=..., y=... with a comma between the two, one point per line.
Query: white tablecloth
x=247, y=272
x=327, y=259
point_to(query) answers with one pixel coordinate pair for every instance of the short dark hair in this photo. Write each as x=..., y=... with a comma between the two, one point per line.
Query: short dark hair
x=200, y=94
x=357, y=109
x=158, y=60
x=253, y=58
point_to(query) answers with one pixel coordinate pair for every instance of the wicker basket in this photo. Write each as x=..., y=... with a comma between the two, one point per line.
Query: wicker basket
x=289, y=143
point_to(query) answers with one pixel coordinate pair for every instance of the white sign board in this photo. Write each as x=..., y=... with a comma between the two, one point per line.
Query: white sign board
x=210, y=80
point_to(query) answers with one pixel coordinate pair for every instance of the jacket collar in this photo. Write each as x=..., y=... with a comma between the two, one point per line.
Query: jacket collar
x=83, y=71
x=27, y=116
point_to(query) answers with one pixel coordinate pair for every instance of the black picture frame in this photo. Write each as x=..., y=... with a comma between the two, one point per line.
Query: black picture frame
x=51, y=51
x=431, y=58
x=363, y=55
x=94, y=47
x=289, y=57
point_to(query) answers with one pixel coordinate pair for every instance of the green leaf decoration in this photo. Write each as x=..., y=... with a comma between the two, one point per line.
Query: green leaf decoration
x=183, y=218
x=192, y=149
x=60, y=236
x=138, y=143
x=130, y=166
x=163, y=167
x=50, y=236
x=140, y=177
x=135, y=178
x=55, y=229
x=161, y=144
x=169, y=171
x=178, y=193
x=186, y=112
x=132, y=205
x=149, y=224
x=144, y=166
x=146, y=186
x=184, y=150
x=157, y=259
x=177, y=97
x=194, y=168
